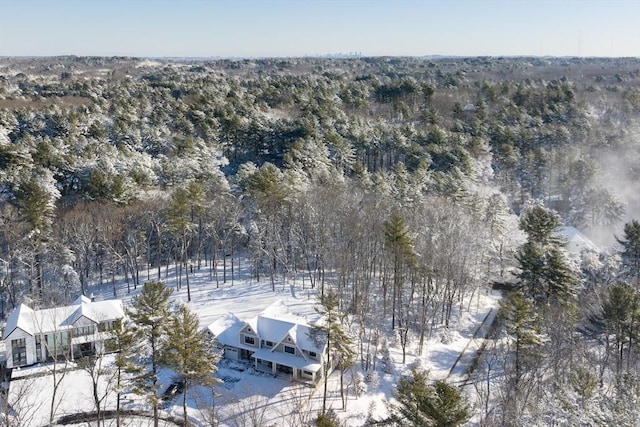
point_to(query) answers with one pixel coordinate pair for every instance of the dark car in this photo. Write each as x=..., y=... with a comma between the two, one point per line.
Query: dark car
x=173, y=390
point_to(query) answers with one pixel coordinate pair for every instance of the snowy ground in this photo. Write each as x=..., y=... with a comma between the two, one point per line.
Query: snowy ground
x=245, y=397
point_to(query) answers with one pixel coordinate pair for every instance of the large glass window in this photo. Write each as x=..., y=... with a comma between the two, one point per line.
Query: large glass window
x=83, y=330
x=249, y=340
x=39, y=348
x=19, y=351
x=57, y=345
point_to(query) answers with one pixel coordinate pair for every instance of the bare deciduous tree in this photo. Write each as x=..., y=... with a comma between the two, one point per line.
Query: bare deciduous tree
x=19, y=403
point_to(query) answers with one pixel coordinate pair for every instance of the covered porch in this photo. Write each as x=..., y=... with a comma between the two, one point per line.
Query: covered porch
x=82, y=346
x=287, y=366
x=90, y=344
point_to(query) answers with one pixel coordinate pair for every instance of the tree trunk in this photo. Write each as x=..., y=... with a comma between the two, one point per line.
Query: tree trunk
x=186, y=267
x=184, y=402
x=342, y=396
x=154, y=382
x=326, y=375
x=118, y=398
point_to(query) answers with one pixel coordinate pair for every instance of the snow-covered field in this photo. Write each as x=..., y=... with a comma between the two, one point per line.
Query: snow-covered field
x=245, y=396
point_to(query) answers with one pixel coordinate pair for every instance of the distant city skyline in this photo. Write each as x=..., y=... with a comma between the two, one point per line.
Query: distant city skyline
x=294, y=28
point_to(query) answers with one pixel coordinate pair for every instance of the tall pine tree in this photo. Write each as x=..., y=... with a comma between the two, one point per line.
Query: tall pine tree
x=522, y=323
x=621, y=316
x=546, y=275
x=338, y=343
x=152, y=318
x=124, y=342
x=400, y=245
x=189, y=353
x=631, y=251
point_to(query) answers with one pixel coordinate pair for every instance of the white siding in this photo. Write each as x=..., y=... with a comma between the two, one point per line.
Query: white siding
x=30, y=346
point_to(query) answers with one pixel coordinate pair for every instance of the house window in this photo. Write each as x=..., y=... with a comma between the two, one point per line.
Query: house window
x=249, y=340
x=57, y=345
x=86, y=349
x=289, y=350
x=38, y=348
x=19, y=351
x=313, y=354
x=107, y=325
x=83, y=330
x=268, y=343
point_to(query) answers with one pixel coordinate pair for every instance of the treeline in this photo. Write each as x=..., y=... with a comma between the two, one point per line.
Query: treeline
x=191, y=162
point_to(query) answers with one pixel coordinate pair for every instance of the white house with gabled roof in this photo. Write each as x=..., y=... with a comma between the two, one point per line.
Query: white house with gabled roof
x=274, y=341
x=33, y=336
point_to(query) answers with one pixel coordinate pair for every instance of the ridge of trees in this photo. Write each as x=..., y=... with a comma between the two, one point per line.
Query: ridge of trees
x=395, y=182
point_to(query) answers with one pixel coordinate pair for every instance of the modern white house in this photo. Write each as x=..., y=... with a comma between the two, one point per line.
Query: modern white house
x=274, y=341
x=82, y=328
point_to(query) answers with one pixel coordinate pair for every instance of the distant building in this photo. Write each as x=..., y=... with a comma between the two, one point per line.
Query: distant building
x=33, y=336
x=274, y=342
x=576, y=241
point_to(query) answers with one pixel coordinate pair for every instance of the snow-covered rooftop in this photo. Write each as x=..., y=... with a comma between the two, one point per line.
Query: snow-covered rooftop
x=61, y=318
x=226, y=329
x=576, y=241
x=274, y=324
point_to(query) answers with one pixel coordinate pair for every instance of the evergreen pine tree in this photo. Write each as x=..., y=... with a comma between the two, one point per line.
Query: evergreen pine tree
x=400, y=245
x=186, y=203
x=151, y=317
x=329, y=419
x=412, y=392
x=447, y=407
x=522, y=323
x=631, y=251
x=338, y=342
x=546, y=274
x=423, y=404
x=189, y=353
x=540, y=223
x=36, y=196
x=125, y=340
x=621, y=316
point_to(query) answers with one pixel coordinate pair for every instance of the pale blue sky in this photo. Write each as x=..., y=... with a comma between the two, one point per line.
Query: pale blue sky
x=237, y=28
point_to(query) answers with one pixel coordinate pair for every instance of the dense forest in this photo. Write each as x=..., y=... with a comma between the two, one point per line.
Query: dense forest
x=405, y=185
